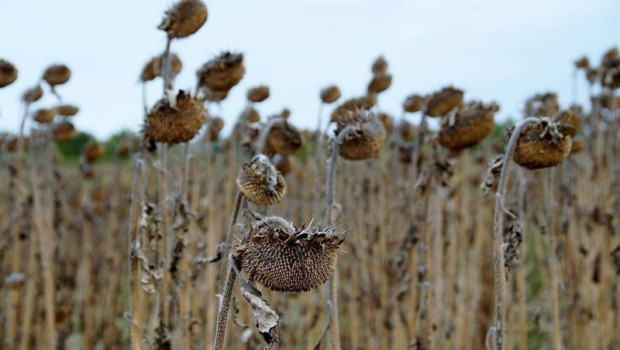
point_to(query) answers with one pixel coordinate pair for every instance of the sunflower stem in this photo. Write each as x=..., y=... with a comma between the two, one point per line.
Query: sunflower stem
x=499, y=328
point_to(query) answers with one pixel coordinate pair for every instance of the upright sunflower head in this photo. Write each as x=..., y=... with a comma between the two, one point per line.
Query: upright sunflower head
x=285, y=258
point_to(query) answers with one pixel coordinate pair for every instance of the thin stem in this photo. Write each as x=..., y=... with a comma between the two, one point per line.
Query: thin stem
x=134, y=247
x=165, y=69
x=498, y=241
x=231, y=277
x=334, y=329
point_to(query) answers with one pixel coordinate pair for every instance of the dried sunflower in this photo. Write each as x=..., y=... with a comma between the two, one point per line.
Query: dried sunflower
x=8, y=73
x=184, y=18
x=443, y=101
x=223, y=72
x=260, y=182
x=175, y=123
x=470, y=126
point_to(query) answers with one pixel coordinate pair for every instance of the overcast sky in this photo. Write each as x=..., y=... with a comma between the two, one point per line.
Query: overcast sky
x=502, y=50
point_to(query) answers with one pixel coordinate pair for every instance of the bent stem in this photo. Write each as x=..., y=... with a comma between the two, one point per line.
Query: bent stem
x=499, y=331
x=231, y=278
x=334, y=327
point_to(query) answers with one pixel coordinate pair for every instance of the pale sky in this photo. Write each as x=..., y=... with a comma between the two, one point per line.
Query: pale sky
x=501, y=50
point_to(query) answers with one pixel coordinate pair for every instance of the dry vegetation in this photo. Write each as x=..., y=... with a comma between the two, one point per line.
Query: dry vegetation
x=378, y=235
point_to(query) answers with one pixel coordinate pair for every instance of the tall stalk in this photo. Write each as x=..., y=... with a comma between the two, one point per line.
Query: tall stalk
x=136, y=311
x=499, y=327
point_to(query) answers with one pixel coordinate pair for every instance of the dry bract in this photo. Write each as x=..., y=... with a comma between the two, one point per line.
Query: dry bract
x=8, y=73
x=380, y=83
x=283, y=138
x=258, y=93
x=184, y=18
x=175, y=123
x=33, y=94
x=365, y=140
x=443, y=101
x=223, y=72
x=542, y=145
x=330, y=94
x=260, y=182
x=413, y=103
x=92, y=151
x=286, y=259
x=64, y=131
x=471, y=125
x=57, y=74
x=44, y=115
x=66, y=110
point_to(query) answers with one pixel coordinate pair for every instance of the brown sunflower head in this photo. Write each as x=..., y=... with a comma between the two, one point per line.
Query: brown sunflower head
x=8, y=73
x=330, y=94
x=214, y=96
x=184, y=18
x=365, y=138
x=33, y=94
x=285, y=258
x=64, y=131
x=609, y=55
x=153, y=68
x=542, y=145
x=249, y=115
x=582, y=63
x=92, y=151
x=127, y=146
x=9, y=142
x=175, y=122
x=469, y=127
x=215, y=126
x=406, y=130
x=66, y=110
x=443, y=101
x=57, y=74
x=379, y=83
x=258, y=93
x=568, y=123
x=283, y=163
x=379, y=66
x=387, y=121
x=223, y=72
x=260, y=182
x=44, y=115
x=611, y=73
x=542, y=105
x=343, y=113
x=592, y=75
x=413, y=103
x=283, y=138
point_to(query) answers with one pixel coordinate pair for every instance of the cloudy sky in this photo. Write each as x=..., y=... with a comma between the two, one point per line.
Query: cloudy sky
x=502, y=50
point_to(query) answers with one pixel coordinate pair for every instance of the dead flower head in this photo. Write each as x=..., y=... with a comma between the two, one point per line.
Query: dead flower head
x=223, y=72
x=258, y=94
x=283, y=138
x=544, y=144
x=64, y=131
x=469, y=127
x=330, y=94
x=184, y=18
x=413, y=103
x=57, y=74
x=260, y=182
x=285, y=258
x=33, y=94
x=8, y=73
x=175, y=122
x=365, y=139
x=443, y=101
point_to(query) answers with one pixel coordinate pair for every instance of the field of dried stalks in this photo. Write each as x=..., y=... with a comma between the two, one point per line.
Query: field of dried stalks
x=374, y=234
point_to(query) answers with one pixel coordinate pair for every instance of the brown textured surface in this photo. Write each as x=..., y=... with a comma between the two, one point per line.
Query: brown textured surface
x=175, y=124
x=344, y=112
x=413, y=103
x=33, y=94
x=443, y=101
x=535, y=150
x=258, y=93
x=8, y=73
x=330, y=94
x=223, y=72
x=380, y=83
x=184, y=18
x=288, y=263
x=472, y=125
x=283, y=138
x=57, y=74
x=64, y=131
x=366, y=141
x=44, y=115
x=92, y=151
x=66, y=110
x=260, y=182
x=152, y=69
